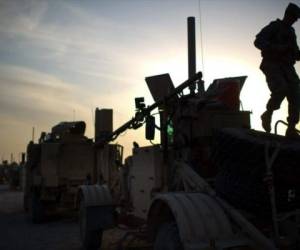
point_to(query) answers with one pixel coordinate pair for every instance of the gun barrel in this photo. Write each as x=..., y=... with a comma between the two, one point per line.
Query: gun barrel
x=146, y=111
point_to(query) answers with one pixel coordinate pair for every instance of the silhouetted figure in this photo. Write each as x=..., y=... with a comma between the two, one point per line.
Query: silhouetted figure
x=278, y=44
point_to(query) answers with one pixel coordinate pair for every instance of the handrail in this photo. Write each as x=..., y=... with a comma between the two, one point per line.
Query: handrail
x=285, y=123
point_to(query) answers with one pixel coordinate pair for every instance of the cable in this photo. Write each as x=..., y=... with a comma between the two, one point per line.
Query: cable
x=269, y=160
x=201, y=39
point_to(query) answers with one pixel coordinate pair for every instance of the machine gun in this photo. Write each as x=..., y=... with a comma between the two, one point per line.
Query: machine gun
x=142, y=113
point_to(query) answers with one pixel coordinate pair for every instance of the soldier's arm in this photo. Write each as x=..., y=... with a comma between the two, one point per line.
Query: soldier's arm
x=298, y=55
x=295, y=47
x=296, y=51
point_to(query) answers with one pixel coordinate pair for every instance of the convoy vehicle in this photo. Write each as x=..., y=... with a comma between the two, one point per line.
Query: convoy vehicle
x=211, y=183
x=61, y=161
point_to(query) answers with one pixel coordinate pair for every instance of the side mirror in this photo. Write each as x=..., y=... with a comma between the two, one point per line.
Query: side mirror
x=150, y=127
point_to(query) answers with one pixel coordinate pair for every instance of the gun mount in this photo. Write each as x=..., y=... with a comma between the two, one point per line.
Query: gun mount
x=140, y=116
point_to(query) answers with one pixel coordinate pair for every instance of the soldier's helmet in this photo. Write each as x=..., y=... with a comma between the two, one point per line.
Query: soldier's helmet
x=292, y=10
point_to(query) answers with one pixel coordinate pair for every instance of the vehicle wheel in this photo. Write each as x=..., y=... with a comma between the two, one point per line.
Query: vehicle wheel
x=167, y=237
x=91, y=239
x=37, y=209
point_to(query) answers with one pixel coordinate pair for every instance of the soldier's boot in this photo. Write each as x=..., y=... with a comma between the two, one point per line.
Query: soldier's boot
x=266, y=119
x=291, y=132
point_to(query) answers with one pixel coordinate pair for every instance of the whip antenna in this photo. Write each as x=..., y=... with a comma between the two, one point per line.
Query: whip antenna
x=201, y=39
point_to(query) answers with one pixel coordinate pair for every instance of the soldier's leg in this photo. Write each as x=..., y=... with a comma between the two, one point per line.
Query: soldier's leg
x=277, y=85
x=293, y=97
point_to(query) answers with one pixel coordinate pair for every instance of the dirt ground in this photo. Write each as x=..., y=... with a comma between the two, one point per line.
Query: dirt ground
x=17, y=232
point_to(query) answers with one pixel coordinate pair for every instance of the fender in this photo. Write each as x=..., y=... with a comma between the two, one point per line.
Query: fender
x=95, y=195
x=96, y=207
x=200, y=220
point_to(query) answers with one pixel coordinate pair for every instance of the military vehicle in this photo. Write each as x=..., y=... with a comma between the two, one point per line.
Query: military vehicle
x=4, y=172
x=211, y=183
x=14, y=175
x=61, y=161
x=11, y=173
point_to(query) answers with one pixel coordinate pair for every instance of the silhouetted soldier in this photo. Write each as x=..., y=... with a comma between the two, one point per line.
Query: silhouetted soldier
x=278, y=44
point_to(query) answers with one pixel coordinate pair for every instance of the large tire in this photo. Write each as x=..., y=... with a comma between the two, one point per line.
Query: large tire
x=239, y=155
x=37, y=208
x=167, y=237
x=91, y=239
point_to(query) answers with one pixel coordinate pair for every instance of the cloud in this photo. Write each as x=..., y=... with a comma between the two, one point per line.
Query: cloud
x=85, y=48
x=62, y=57
x=21, y=16
x=32, y=93
x=32, y=98
x=56, y=31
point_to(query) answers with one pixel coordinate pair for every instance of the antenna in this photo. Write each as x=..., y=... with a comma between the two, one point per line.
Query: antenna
x=93, y=120
x=192, y=56
x=32, y=134
x=191, y=50
x=201, y=38
x=23, y=157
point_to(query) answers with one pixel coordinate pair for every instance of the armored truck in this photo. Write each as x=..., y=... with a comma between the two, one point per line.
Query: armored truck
x=211, y=183
x=61, y=161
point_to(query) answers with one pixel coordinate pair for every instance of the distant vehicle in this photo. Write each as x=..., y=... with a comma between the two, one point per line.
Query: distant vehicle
x=11, y=174
x=3, y=172
x=60, y=162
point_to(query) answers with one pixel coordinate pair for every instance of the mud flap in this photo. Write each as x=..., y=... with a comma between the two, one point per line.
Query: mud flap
x=99, y=217
x=96, y=207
